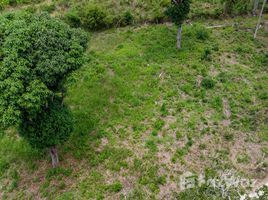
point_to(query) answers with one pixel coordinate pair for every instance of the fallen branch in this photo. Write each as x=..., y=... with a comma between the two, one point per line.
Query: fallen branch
x=218, y=26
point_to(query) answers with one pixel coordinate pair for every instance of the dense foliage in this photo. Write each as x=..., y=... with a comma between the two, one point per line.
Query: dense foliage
x=93, y=17
x=178, y=10
x=36, y=53
x=4, y=3
x=53, y=125
x=237, y=6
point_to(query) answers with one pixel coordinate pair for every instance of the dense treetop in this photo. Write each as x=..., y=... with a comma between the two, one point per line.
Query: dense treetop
x=178, y=10
x=36, y=53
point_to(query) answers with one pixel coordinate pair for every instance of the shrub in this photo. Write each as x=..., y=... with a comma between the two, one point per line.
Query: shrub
x=93, y=17
x=158, y=16
x=208, y=83
x=31, y=9
x=127, y=18
x=206, y=55
x=264, y=59
x=228, y=136
x=158, y=125
x=237, y=6
x=115, y=187
x=3, y=4
x=53, y=125
x=48, y=8
x=72, y=18
x=201, y=33
x=4, y=165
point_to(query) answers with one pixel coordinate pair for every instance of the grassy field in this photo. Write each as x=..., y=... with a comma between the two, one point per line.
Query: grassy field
x=146, y=113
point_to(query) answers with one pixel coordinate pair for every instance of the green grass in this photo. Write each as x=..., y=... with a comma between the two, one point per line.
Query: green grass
x=118, y=13
x=140, y=114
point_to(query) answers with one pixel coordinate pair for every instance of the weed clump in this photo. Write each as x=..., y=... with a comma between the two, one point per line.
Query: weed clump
x=228, y=137
x=72, y=17
x=208, y=83
x=127, y=18
x=201, y=33
x=206, y=55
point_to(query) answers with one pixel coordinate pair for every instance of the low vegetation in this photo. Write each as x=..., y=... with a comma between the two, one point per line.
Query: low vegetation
x=145, y=113
x=102, y=14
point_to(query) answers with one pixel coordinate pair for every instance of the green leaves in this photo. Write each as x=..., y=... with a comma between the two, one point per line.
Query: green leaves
x=52, y=126
x=178, y=10
x=37, y=52
x=35, y=96
x=3, y=4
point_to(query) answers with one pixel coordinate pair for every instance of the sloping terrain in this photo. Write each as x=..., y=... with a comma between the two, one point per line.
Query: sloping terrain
x=146, y=113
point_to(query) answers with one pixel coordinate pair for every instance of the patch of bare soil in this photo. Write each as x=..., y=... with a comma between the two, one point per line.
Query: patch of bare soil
x=128, y=182
x=170, y=169
x=197, y=159
x=31, y=182
x=199, y=80
x=231, y=59
x=260, y=183
x=213, y=72
x=254, y=166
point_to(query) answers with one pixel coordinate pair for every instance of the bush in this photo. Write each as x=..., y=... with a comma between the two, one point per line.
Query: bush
x=206, y=55
x=72, y=18
x=93, y=17
x=228, y=136
x=53, y=125
x=3, y=4
x=237, y=6
x=158, y=16
x=31, y=9
x=201, y=33
x=115, y=187
x=264, y=59
x=208, y=83
x=48, y=8
x=127, y=18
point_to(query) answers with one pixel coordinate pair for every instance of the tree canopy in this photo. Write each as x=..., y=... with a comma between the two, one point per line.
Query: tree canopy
x=36, y=54
x=53, y=124
x=178, y=10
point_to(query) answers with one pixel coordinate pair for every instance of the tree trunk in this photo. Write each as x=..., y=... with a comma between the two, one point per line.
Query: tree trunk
x=259, y=21
x=255, y=7
x=54, y=156
x=179, y=37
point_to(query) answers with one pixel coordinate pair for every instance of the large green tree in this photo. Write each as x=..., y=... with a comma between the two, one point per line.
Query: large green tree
x=37, y=52
x=178, y=12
